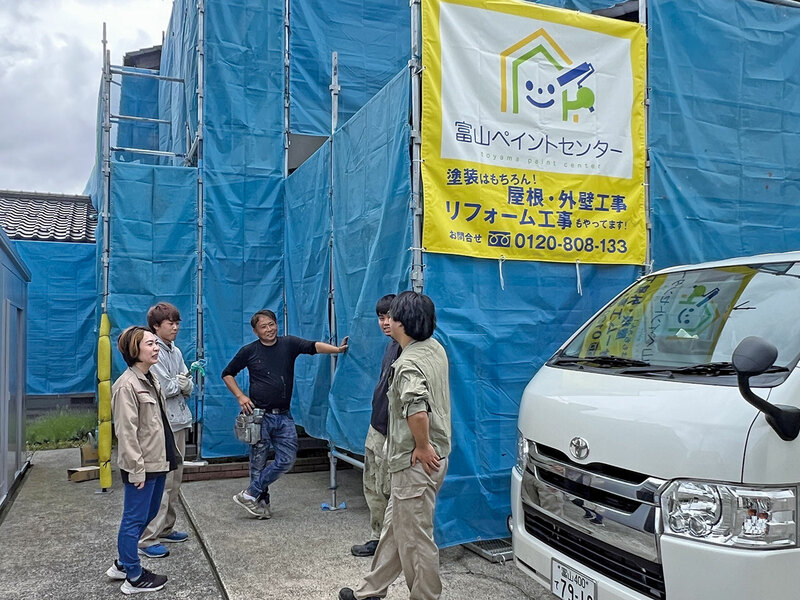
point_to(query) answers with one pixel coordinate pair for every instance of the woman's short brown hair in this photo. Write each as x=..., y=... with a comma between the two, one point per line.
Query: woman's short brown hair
x=128, y=343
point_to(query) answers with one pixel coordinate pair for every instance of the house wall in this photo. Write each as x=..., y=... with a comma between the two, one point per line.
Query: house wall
x=14, y=278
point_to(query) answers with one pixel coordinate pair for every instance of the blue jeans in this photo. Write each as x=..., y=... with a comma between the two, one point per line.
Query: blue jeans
x=139, y=508
x=279, y=432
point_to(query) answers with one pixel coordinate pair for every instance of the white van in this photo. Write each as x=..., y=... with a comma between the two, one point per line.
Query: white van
x=647, y=467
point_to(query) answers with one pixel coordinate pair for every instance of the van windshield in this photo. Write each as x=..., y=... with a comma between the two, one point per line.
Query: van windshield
x=691, y=321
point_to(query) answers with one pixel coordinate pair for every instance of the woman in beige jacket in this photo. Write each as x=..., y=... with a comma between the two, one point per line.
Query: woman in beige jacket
x=145, y=454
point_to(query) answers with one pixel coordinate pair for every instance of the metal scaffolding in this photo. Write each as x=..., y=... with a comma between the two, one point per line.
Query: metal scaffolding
x=193, y=157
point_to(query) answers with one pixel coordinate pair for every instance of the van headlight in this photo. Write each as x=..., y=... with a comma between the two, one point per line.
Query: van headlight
x=731, y=515
x=522, y=453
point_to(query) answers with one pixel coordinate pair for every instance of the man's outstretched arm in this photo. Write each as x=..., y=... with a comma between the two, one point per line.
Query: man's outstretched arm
x=323, y=348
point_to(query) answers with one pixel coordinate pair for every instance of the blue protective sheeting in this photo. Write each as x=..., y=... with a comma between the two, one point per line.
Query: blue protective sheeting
x=243, y=273
x=581, y=5
x=373, y=41
x=177, y=102
x=153, y=249
x=138, y=98
x=307, y=273
x=62, y=298
x=496, y=339
x=243, y=194
x=724, y=129
x=372, y=237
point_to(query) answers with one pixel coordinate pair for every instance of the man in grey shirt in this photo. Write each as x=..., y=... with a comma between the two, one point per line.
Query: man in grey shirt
x=418, y=446
x=163, y=319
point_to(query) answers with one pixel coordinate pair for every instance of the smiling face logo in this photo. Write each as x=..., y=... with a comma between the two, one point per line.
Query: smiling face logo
x=551, y=72
x=551, y=90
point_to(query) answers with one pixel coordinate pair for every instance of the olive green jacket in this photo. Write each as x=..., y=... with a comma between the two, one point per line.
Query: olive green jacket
x=419, y=381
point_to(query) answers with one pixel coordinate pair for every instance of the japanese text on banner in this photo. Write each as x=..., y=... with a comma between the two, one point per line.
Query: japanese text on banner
x=533, y=133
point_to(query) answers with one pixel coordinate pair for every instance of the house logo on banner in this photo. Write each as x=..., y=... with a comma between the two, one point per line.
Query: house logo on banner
x=533, y=133
x=552, y=77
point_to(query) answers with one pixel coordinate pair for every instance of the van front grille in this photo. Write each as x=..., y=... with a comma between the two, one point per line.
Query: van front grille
x=589, y=493
x=642, y=575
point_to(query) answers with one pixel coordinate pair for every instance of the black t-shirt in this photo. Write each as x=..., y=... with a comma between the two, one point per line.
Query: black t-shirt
x=271, y=369
x=380, y=402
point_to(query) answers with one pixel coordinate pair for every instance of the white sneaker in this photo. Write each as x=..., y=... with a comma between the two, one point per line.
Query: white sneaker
x=116, y=571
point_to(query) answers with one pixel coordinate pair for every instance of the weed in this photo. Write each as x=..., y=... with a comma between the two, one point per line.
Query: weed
x=61, y=429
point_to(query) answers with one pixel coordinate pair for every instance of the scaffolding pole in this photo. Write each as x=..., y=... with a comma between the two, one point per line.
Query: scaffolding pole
x=106, y=161
x=415, y=65
x=118, y=118
x=197, y=147
x=286, y=123
x=117, y=70
x=145, y=151
x=335, y=88
x=104, y=435
x=108, y=119
x=333, y=454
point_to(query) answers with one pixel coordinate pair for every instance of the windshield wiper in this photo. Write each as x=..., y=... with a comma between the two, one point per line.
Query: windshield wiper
x=600, y=361
x=710, y=369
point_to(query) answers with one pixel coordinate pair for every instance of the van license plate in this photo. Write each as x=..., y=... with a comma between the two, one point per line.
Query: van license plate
x=569, y=584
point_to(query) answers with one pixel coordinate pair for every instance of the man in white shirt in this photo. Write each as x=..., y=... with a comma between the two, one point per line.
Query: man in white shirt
x=164, y=320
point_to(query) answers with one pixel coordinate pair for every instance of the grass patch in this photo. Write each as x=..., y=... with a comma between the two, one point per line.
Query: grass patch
x=61, y=429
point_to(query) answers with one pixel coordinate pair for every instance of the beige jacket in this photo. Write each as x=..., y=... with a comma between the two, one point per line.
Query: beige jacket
x=138, y=425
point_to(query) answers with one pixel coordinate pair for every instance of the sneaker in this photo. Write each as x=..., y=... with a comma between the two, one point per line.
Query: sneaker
x=365, y=549
x=252, y=506
x=348, y=594
x=154, y=551
x=116, y=571
x=174, y=537
x=147, y=582
x=266, y=512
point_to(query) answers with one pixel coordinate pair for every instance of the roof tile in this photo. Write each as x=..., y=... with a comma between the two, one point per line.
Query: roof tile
x=47, y=217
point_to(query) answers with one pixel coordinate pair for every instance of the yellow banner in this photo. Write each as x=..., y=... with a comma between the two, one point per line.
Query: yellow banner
x=533, y=138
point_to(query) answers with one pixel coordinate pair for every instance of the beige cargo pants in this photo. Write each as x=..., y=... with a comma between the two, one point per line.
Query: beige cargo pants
x=377, y=487
x=406, y=543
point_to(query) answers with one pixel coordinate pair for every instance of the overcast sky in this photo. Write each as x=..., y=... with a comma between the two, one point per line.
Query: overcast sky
x=50, y=68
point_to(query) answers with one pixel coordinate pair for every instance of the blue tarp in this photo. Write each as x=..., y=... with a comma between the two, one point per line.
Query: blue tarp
x=373, y=41
x=61, y=307
x=138, y=98
x=372, y=239
x=177, y=102
x=153, y=249
x=496, y=339
x=243, y=194
x=724, y=129
x=307, y=272
x=581, y=5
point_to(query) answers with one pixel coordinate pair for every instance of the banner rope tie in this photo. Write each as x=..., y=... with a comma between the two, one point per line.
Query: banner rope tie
x=578, y=274
x=500, y=262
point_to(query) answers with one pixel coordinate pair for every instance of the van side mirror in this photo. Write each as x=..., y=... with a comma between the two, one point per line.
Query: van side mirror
x=753, y=356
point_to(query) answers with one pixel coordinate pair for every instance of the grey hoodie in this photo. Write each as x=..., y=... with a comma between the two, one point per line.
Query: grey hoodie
x=170, y=364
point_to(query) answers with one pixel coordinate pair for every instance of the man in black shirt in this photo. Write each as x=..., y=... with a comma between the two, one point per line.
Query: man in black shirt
x=377, y=488
x=270, y=365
